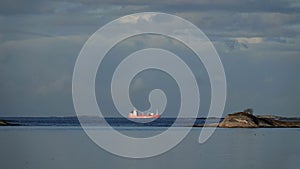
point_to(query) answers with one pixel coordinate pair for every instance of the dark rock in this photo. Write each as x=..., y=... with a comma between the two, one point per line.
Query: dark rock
x=6, y=123
x=3, y=123
x=240, y=119
x=247, y=120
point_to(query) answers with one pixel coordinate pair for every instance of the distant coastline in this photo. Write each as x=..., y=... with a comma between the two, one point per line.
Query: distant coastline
x=5, y=123
x=244, y=119
x=248, y=120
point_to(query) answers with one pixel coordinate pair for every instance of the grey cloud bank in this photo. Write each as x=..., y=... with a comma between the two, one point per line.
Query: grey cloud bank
x=258, y=43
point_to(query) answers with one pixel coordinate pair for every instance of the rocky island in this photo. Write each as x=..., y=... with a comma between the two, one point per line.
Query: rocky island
x=246, y=119
x=3, y=123
x=6, y=123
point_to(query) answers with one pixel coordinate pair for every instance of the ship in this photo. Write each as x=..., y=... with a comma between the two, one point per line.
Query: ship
x=134, y=114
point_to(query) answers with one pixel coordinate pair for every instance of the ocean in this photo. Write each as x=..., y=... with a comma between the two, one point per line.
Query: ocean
x=34, y=145
x=113, y=121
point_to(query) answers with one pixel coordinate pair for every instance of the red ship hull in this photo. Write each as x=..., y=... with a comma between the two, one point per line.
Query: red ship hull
x=155, y=116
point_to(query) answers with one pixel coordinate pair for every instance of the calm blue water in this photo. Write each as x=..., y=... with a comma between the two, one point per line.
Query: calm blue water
x=68, y=147
x=115, y=122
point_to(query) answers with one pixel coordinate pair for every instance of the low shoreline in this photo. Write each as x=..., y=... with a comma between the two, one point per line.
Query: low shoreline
x=234, y=120
x=248, y=120
x=3, y=123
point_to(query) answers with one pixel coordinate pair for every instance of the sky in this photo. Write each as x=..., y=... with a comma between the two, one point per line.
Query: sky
x=257, y=41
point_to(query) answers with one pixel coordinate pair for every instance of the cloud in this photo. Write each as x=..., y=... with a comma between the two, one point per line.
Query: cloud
x=252, y=40
x=40, y=40
x=136, y=19
x=36, y=73
x=239, y=43
x=58, y=85
x=16, y=7
x=13, y=7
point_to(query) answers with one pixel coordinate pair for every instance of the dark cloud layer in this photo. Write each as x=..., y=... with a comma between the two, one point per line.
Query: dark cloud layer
x=258, y=42
x=12, y=7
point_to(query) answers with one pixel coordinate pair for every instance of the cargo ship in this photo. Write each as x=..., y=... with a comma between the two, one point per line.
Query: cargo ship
x=134, y=114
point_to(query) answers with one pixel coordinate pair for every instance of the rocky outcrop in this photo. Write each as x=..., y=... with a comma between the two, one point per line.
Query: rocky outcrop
x=247, y=120
x=3, y=123
x=239, y=119
x=6, y=123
